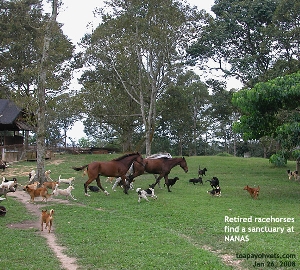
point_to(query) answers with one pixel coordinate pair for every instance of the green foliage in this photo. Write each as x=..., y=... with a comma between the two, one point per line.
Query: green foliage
x=278, y=160
x=258, y=38
x=271, y=108
x=224, y=154
x=296, y=154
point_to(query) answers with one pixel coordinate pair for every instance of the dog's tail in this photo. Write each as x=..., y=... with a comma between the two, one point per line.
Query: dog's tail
x=51, y=213
x=80, y=168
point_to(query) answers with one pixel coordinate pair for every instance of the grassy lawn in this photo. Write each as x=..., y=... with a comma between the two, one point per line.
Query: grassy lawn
x=183, y=229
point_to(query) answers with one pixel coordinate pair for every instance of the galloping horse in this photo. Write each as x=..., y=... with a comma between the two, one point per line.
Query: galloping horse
x=114, y=168
x=160, y=166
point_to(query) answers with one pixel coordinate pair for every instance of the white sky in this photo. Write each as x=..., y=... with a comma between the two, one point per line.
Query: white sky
x=77, y=19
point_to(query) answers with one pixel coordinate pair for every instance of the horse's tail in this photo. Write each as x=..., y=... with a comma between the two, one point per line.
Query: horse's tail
x=80, y=168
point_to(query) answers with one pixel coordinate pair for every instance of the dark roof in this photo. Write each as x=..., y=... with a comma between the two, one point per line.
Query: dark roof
x=8, y=112
x=11, y=117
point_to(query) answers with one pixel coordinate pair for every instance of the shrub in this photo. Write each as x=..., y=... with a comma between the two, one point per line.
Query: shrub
x=278, y=160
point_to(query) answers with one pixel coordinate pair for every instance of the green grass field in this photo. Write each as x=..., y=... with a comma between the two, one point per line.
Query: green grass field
x=183, y=229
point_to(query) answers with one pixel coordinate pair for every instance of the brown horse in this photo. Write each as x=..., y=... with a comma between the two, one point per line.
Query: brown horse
x=115, y=168
x=160, y=166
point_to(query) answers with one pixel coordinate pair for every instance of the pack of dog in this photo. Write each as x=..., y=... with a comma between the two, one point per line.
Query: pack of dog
x=254, y=192
x=47, y=218
x=144, y=193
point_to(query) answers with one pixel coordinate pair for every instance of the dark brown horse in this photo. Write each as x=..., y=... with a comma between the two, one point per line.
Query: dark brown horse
x=160, y=166
x=114, y=168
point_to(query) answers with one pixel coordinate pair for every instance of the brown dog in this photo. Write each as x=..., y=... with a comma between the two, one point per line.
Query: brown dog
x=47, y=218
x=254, y=192
x=50, y=184
x=39, y=192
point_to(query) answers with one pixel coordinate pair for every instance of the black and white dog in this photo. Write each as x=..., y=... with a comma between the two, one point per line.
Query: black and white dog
x=144, y=193
x=215, y=191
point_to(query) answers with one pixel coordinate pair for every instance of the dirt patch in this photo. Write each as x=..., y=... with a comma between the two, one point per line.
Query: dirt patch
x=67, y=262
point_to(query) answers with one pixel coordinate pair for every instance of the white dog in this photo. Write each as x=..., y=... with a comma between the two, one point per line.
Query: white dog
x=144, y=193
x=65, y=192
x=66, y=181
x=9, y=184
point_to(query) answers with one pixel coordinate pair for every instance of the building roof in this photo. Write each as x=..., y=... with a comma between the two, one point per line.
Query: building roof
x=11, y=117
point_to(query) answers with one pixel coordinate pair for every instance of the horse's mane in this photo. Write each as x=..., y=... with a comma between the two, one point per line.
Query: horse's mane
x=127, y=155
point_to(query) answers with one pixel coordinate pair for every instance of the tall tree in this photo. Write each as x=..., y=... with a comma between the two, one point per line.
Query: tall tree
x=271, y=109
x=142, y=43
x=33, y=58
x=259, y=39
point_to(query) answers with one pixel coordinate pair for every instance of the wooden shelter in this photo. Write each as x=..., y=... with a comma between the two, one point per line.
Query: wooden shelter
x=12, y=131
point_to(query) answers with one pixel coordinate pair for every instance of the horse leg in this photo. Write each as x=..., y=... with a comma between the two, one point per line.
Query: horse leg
x=124, y=184
x=85, y=185
x=100, y=186
x=157, y=181
x=167, y=182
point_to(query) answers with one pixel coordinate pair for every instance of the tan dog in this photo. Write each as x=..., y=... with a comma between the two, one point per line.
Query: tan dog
x=50, y=185
x=254, y=192
x=34, y=185
x=66, y=181
x=65, y=192
x=39, y=192
x=47, y=218
x=47, y=175
x=110, y=179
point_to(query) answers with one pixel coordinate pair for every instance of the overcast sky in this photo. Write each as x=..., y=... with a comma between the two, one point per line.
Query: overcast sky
x=78, y=18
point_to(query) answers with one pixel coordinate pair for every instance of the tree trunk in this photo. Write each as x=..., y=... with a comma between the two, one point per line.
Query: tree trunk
x=41, y=95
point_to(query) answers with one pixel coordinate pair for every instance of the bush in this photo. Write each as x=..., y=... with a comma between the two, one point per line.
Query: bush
x=278, y=160
x=224, y=154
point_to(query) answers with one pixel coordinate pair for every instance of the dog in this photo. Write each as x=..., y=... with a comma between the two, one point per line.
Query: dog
x=31, y=176
x=201, y=172
x=214, y=182
x=196, y=180
x=47, y=218
x=39, y=192
x=254, y=192
x=65, y=192
x=144, y=193
x=66, y=181
x=47, y=175
x=292, y=174
x=110, y=179
x=9, y=183
x=3, y=165
x=34, y=185
x=215, y=192
x=118, y=182
x=50, y=185
x=171, y=182
x=94, y=188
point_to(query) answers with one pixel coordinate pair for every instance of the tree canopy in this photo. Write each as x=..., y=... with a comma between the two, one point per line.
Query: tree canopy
x=271, y=109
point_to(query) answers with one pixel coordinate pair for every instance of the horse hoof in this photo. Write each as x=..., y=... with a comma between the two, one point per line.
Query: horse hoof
x=106, y=193
x=87, y=194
